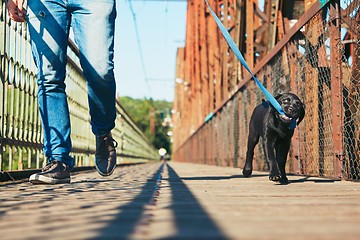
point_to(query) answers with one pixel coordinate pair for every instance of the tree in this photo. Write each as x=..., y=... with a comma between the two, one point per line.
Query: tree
x=139, y=110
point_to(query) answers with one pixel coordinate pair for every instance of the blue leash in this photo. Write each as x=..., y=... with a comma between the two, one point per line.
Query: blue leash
x=238, y=54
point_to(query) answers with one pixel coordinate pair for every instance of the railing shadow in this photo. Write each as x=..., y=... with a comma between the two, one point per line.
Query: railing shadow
x=129, y=215
x=191, y=219
x=214, y=178
x=309, y=179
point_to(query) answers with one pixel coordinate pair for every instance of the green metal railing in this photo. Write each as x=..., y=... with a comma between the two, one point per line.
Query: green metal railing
x=20, y=127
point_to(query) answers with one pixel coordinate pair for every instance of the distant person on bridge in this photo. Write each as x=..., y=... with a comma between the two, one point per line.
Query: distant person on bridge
x=93, y=24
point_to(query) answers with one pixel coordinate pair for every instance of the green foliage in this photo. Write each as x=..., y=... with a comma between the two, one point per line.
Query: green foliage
x=139, y=110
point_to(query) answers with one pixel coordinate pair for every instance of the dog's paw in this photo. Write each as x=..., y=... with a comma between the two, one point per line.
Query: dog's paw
x=274, y=178
x=284, y=180
x=247, y=172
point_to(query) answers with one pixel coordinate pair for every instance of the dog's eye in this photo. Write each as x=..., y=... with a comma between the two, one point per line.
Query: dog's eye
x=286, y=100
x=298, y=103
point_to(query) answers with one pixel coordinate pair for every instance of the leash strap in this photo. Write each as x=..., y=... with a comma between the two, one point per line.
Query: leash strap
x=238, y=54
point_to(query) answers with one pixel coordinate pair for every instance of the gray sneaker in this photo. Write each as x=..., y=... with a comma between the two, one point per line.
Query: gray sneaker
x=105, y=156
x=53, y=173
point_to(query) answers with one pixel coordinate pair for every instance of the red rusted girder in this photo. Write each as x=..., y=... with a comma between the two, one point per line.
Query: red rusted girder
x=336, y=89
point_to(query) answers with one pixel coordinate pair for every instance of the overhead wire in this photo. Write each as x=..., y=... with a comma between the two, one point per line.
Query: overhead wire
x=166, y=29
x=147, y=79
x=165, y=52
x=139, y=47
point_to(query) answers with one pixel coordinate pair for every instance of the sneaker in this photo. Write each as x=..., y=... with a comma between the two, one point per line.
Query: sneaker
x=105, y=156
x=52, y=173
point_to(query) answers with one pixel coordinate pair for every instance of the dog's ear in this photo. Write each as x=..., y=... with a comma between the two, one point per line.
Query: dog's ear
x=265, y=103
x=302, y=114
x=277, y=97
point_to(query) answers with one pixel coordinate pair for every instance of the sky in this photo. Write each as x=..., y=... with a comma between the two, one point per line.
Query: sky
x=161, y=30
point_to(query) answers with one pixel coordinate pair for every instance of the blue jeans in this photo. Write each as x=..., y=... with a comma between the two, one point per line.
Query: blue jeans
x=93, y=25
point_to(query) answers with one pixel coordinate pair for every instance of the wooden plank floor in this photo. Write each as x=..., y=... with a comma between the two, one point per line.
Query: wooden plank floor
x=180, y=201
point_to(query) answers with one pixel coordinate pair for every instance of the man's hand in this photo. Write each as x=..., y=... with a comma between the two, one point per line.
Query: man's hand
x=15, y=8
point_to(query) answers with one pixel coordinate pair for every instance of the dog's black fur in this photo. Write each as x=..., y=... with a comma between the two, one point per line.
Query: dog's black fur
x=275, y=132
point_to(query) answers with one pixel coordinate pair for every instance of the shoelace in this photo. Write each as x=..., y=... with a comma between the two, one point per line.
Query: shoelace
x=49, y=166
x=113, y=141
x=106, y=142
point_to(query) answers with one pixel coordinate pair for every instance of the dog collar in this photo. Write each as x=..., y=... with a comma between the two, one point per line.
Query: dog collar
x=293, y=123
x=292, y=120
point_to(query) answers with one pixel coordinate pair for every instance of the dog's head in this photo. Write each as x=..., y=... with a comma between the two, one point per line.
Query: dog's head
x=292, y=106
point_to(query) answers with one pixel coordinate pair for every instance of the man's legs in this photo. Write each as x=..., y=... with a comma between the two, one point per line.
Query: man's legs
x=48, y=23
x=94, y=25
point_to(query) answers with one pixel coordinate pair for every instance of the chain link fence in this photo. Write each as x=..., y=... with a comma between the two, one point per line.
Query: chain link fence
x=319, y=61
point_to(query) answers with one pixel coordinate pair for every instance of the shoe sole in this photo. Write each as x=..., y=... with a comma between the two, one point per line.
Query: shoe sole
x=105, y=174
x=40, y=179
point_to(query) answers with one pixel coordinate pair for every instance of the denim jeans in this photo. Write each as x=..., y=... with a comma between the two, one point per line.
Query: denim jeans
x=93, y=25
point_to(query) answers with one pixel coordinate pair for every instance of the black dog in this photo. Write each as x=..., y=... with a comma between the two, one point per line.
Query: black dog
x=276, y=131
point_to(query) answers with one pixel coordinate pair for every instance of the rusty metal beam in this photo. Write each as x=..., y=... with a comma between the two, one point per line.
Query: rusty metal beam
x=204, y=62
x=315, y=8
x=336, y=89
x=260, y=13
x=224, y=51
x=274, y=8
x=346, y=19
x=249, y=55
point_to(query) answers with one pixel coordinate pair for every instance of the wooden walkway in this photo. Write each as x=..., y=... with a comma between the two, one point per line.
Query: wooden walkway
x=180, y=201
